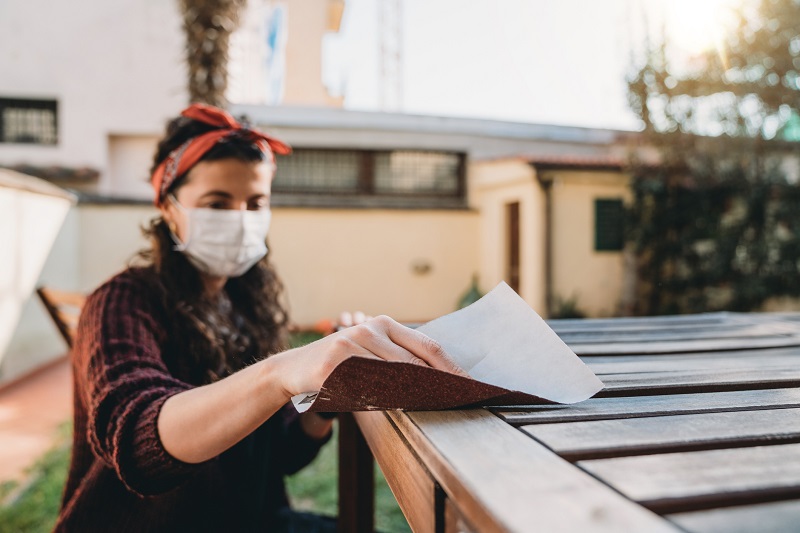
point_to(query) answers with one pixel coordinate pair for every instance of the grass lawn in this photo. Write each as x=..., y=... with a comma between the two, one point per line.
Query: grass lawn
x=33, y=506
x=315, y=489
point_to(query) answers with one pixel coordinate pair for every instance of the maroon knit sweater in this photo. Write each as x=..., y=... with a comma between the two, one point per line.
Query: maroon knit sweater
x=121, y=478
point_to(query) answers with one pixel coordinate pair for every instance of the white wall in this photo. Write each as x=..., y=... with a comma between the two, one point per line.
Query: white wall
x=130, y=158
x=115, y=67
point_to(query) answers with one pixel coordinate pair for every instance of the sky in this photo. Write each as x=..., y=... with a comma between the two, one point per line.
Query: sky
x=540, y=61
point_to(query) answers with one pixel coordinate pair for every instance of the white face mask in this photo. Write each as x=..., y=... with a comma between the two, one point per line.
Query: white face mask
x=224, y=242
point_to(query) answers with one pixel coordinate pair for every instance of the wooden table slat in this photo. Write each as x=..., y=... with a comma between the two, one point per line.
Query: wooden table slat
x=677, y=346
x=658, y=324
x=548, y=493
x=696, y=372
x=642, y=406
x=789, y=316
x=710, y=318
x=646, y=321
x=773, y=517
x=744, y=333
x=772, y=357
x=676, y=482
x=696, y=381
x=613, y=438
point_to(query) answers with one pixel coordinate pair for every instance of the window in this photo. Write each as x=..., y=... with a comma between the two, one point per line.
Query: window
x=320, y=171
x=28, y=121
x=608, y=225
x=410, y=172
x=372, y=173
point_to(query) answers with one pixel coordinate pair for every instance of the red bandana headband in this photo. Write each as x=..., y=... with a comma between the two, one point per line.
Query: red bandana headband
x=180, y=160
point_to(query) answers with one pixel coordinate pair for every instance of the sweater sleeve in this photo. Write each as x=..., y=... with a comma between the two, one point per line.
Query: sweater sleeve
x=123, y=381
x=297, y=449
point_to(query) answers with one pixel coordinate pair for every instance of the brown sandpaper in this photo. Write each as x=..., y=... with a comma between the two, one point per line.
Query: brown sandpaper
x=361, y=384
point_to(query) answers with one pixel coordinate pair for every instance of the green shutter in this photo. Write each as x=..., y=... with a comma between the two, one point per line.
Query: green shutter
x=608, y=225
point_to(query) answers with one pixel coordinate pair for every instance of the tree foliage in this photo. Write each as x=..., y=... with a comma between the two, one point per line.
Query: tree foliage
x=715, y=222
x=208, y=25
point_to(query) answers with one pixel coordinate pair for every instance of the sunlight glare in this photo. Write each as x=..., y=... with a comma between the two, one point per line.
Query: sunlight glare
x=697, y=26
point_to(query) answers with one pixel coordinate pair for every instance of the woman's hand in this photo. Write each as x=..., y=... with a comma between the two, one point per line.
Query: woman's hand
x=304, y=369
x=347, y=319
x=200, y=423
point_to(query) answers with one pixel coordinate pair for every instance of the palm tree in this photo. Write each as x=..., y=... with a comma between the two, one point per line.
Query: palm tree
x=208, y=25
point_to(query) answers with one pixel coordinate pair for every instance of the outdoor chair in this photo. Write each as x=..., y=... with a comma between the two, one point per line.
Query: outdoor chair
x=64, y=308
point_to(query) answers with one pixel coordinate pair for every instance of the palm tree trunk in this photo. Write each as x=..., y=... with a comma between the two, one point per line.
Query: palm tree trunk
x=208, y=25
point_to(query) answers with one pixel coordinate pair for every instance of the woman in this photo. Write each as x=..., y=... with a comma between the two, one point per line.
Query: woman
x=182, y=421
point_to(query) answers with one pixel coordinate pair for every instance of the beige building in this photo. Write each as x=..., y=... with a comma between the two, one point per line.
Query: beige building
x=552, y=228
x=381, y=212
x=535, y=205
x=395, y=214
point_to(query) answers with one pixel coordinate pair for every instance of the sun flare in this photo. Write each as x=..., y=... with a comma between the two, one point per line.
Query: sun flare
x=697, y=26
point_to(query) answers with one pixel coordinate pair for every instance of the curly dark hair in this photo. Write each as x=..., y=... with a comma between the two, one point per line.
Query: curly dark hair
x=248, y=321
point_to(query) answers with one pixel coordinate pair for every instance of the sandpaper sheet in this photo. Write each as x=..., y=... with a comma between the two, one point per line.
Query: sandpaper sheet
x=511, y=354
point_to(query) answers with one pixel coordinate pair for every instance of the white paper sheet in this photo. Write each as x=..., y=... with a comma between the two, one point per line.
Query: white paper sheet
x=501, y=341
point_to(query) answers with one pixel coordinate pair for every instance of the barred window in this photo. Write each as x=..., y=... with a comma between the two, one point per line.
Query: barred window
x=417, y=172
x=371, y=172
x=318, y=171
x=608, y=225
x=28, y=121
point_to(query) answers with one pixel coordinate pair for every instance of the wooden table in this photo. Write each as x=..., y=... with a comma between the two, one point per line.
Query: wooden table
x=697, y=429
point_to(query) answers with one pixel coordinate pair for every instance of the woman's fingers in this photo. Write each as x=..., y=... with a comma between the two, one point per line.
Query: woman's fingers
x=378, y=338
x=387, y=339
x=419, y=344
x=374, y=338
x=346, y=319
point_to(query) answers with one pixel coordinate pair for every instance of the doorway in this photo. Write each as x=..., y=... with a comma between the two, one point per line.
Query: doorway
x=512, y=245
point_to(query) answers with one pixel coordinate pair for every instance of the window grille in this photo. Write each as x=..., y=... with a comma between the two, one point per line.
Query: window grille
x=432, y=173
x=318, y=171
x=609, y=217
x=371, y=173
x=28, y=121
